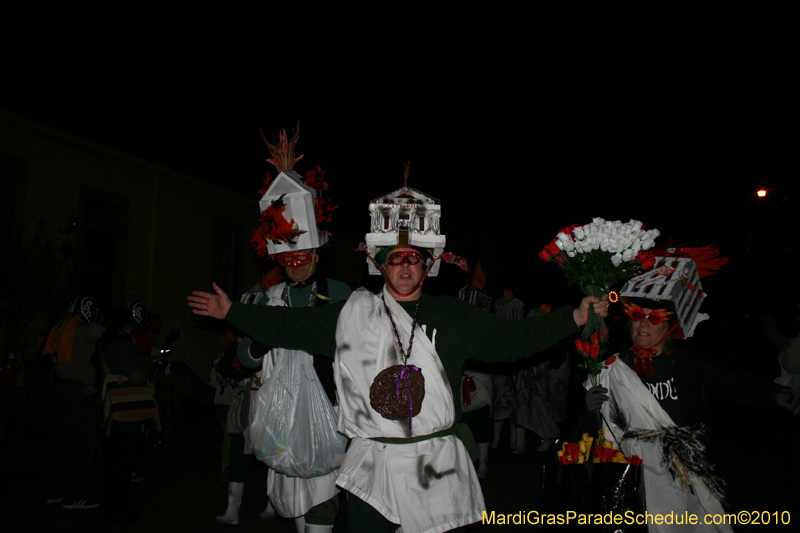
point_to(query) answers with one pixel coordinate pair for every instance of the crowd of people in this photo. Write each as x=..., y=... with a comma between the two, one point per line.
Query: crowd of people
x=111, y=361
x=385, y=396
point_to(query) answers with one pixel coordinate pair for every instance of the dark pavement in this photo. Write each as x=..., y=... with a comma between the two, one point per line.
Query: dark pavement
x=756, y=452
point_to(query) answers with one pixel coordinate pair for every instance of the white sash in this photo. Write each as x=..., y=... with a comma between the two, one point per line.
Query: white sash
x=426, y=486
x=642, y=411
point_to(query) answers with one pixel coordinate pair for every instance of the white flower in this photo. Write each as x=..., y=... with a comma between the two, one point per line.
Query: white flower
x=578, y=232
x=616, y=259
x=628, y=256
x=571, y=254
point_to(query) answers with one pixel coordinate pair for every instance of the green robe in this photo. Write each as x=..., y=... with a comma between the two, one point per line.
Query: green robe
x=459, y=331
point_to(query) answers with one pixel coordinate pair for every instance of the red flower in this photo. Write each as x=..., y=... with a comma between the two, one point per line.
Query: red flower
x=569, y=229
x=267, y=181
x=315, y=178
x=595, y=338
x=646, y=259
x=594, y=350
x=550, y=252
x=274, y=227
x=323, y=210
x=579, y=346
x=273, y=277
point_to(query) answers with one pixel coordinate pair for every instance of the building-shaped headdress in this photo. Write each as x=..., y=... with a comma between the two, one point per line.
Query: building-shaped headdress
x=509, y=306
x=674, y=283
x=293, y=212
x=405, y=216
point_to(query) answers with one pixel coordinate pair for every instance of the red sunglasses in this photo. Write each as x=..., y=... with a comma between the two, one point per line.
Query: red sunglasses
x=409, y=257
x=295, y=259
x=655, y=317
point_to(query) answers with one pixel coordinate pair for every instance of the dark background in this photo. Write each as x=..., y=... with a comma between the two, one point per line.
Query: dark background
x=520, y=120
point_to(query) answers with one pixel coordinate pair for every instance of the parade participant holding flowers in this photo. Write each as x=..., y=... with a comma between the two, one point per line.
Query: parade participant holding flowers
x=398, y=361
x=650, y=398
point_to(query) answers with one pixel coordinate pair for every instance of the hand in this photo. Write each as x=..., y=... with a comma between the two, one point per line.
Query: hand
x=581, y=314
x=595, y=398
x=207, y=304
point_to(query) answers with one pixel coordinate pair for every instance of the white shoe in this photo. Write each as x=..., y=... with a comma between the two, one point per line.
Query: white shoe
x=231, y=516
x=545, y=445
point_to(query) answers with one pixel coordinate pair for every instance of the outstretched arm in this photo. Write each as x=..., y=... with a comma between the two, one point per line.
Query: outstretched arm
x=207, y=304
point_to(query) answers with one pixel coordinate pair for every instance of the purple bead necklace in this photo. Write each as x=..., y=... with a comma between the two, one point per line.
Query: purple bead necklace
x=405, y=372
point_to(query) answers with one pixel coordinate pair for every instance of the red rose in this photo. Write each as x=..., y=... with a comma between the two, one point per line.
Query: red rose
x=646, y=259
x=579, y=346
x=549, y=251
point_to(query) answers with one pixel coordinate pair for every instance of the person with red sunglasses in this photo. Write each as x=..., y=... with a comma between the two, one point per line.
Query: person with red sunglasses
x=660, y=387
x=370, y=334
x=398, y=358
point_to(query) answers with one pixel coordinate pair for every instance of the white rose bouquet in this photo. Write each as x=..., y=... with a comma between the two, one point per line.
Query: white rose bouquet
x=594, y=257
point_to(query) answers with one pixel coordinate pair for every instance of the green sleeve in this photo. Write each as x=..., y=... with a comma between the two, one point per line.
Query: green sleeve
x=476, y=334
x=311, y=329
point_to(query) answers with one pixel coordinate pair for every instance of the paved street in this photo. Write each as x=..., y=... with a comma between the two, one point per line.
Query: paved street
x=187, y=493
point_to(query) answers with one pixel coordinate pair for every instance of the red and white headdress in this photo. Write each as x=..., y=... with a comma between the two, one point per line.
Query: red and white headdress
x=294, y=215
x=674, y=284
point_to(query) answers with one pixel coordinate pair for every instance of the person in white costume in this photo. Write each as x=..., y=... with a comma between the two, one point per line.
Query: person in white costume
x=312, y=502
x=657, y=385
x=413, y=472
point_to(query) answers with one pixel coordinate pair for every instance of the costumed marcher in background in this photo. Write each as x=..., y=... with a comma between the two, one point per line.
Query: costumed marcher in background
x=504, y=401
x=509, y=382
x=223, y=386
x=782, y=330
x=244, y=377
x=129, y=407
x=476, y=388
x=476, y=406
x=657, y=389
x=72, y=392
x=405, y=464
x=542, y=393
x=313, y=502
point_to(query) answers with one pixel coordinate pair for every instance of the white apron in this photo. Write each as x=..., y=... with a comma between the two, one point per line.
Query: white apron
x=427, y=486
x=663, y=494
x=293, y=496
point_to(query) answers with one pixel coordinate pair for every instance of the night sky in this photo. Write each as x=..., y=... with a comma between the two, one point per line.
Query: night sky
x=520, y=121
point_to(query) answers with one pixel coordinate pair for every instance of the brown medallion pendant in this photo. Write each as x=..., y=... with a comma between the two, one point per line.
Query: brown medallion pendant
x=383, y=395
